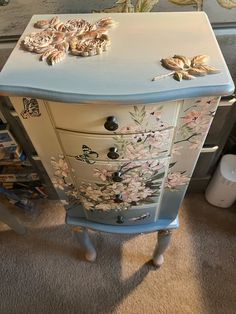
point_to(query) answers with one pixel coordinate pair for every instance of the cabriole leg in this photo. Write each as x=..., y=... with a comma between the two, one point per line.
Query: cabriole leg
x=83, y=236
x=163, y=240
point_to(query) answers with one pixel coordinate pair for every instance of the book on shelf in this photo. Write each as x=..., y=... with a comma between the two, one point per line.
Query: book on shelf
x=17, y=173
x=3, y=121
x=7, y=139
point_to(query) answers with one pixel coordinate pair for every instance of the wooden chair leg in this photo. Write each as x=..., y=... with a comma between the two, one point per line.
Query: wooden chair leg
x=163, y=240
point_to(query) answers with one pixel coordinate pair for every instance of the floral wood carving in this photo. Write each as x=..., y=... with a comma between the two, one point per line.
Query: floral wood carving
x=187, y=69
x=76, y=36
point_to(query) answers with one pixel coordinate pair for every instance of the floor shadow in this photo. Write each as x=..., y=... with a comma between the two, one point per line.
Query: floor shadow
x=50, y=258
x=212, y=231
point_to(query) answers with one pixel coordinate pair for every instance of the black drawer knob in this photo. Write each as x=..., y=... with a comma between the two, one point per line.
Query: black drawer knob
x=117, y=176
x=120, y=219
x=118, y=198
x=111, y=124
x=113, y=153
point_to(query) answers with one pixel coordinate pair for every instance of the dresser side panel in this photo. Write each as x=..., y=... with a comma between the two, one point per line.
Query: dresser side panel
x=34, y=116
x=194, y=121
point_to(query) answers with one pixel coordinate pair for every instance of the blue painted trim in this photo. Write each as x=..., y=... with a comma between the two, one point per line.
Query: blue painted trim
x=160, y=224
x=175, y=94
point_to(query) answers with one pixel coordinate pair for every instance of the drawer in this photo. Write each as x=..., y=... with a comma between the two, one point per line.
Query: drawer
x=90, y=147
x=102, y=172
x=134, y=216
x=110, y=118
x=117, y=185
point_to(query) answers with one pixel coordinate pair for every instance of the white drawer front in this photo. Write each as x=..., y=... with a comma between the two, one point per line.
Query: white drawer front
x=108, y=118
x=107, y=186
x=142, y=146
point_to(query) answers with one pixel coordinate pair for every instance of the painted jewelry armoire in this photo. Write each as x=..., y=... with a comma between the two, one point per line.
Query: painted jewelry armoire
x=118, y=127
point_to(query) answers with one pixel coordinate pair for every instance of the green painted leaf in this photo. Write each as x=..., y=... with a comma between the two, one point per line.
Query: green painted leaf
x=157, y=176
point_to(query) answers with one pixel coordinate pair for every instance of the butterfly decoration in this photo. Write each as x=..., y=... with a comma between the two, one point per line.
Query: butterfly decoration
x=31, y=108
x=87, y=154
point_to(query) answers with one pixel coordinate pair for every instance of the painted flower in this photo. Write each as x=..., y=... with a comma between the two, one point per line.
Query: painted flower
x=156, y=114
x=130, y=129
x=102, y=174
x=135, y=151
x=104, y=206
x=73, y=193
x=175, y=179
x=201, y=124
x=176, y=149
x=195, y=145
x=94, y=194
x=87, y=205
x=156, y=139
x=191, y=116
x=58, y=183
x=61, y=167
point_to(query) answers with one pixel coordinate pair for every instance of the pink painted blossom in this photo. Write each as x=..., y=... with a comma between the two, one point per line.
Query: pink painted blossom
x=200, y=124
x=104, y=206
x=130, y=129
x=58, y=183
x=195, y=145
x=135, y=151
x=175, y=179
x=191, y=116
x=103, y=174
x=176, y=149
x=61, y=167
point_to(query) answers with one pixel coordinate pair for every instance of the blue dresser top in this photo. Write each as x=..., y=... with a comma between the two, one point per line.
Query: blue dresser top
x=124, y=72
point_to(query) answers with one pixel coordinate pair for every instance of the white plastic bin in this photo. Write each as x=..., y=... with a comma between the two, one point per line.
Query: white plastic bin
x=221, y=191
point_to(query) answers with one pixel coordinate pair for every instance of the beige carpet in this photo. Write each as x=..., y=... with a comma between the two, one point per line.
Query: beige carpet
x=45, y=272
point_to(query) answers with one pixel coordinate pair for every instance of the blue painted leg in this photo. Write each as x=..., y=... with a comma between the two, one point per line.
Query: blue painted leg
x=83, y=236
x=163, y=240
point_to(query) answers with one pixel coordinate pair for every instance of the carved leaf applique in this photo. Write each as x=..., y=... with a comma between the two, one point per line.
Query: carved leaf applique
x=199, y=60
x=184, y=68
x=172, y=64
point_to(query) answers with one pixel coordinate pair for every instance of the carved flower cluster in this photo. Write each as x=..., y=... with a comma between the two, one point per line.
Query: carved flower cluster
x=187, y=69
x=76, y=36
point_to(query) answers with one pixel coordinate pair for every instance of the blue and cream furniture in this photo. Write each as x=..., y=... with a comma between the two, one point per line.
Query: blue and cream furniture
x=119, y=147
